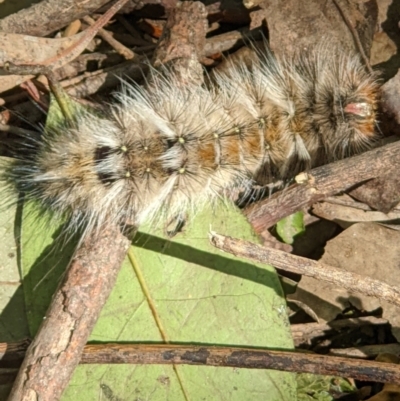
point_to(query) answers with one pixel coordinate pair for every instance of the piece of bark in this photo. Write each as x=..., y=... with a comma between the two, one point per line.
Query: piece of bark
x=48, y=16
x=383, y=48
x=57, y=347
x=390, y=97
x=239, y=357
x=182, y=43
x=322, y=182
x=225, y=41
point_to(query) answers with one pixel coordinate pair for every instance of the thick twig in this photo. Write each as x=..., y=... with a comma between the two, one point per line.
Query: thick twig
x=182, y=42
x=225, y=41
x=56, y=349
x=296, y=264
x=237, y=357
x=322, y=182
x=48, y=16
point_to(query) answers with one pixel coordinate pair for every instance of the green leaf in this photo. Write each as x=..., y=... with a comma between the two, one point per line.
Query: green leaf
x=45, y=256
x=63, y=109
x=55, y=116
x=322, y=388
x=201, y=295
x=13, y=323
x=290, y=227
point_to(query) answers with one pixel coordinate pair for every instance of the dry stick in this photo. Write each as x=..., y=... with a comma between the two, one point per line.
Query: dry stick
x=75, y=307
x=182, y=43
x=355, y=35
x=296, y=264
x=51, y=15
x=324, y=181
x=256, y=359
x=237, y=357
x=48, y=16
x=119, y=47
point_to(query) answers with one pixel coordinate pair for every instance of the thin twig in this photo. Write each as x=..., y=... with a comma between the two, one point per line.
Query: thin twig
x=119, y=47
x=355, y=35
x=236, y=357
x=16, y=130
x=306, y=267
x=322, y=182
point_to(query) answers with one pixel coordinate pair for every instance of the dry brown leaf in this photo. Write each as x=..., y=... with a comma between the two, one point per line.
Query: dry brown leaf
x=364, y=248
x=24, y=50
x=390, y=97
x=382, y=193
x=383, y=48
x=28, y=50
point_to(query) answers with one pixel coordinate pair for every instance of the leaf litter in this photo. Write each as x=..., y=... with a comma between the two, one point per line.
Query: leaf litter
x=210, y=296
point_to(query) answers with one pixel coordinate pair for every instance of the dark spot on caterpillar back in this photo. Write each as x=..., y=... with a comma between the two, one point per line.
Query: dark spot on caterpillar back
x=101, y=154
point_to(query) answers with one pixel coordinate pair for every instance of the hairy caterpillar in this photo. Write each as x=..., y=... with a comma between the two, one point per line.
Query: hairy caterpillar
x=163, y=151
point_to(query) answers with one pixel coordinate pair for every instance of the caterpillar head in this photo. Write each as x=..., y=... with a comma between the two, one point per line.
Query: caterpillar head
x=346, y=107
